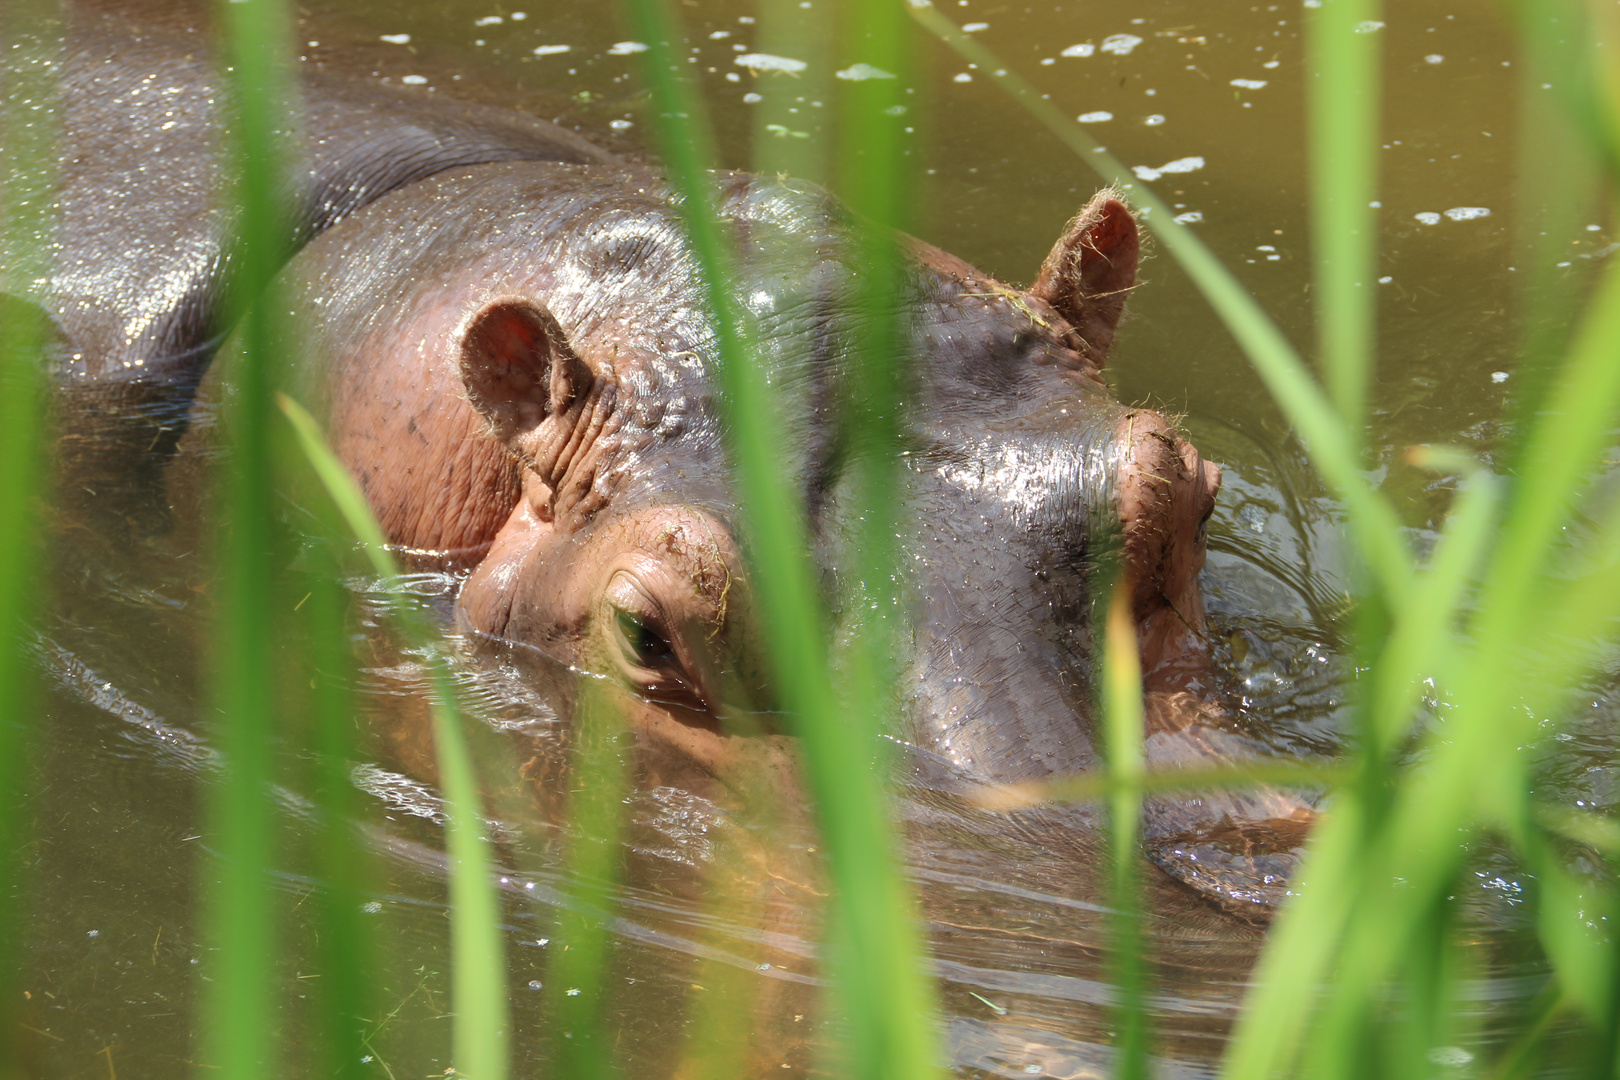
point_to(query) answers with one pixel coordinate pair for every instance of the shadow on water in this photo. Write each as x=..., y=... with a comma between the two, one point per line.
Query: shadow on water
x=1015, y=916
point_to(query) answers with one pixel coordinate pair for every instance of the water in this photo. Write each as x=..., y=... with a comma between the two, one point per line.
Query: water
x=1014, y=915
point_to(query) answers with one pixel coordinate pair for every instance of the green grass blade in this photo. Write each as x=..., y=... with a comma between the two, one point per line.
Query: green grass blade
x=1556, y=192
x=1122, y=721
x=1343, y=100
x=1561, y=452
x=28, y=130
x=1417, y=645
x=1293, y=970
x=600, y=776
x=1324, y=434
x=248, y=613
x=482, y=1030
x=478, y=978
x=1091, y=786
x=788, y=139
x=346, y=948
x=880, y=976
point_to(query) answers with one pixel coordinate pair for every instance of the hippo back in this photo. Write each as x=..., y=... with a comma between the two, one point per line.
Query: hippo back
x=145, y=235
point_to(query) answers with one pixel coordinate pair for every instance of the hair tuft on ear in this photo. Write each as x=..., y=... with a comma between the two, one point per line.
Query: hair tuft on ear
x=1091, y=270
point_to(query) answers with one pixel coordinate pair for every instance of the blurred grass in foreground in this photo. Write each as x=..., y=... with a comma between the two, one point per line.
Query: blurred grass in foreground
x=28, y=119
x=1359, y=976
x=1363, y=972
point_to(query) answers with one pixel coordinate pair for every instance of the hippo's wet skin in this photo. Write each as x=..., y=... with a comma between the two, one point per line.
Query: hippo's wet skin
x=502, y=330
x=515, y=362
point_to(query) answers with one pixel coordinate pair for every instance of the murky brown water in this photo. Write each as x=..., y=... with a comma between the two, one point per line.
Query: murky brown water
x=1015, y=920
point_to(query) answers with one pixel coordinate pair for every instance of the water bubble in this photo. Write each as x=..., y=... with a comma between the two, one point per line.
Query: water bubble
x=1189, y=218
x=1428, y=217
x=1079, y=50
x=550, y=50
x=1368, y=27
x=963, y=77
x=397, y=39
x=1499, y=376
x=1154, y=121
x=1095, y=117
x=535, y=984
x=1249, y=84
x=625, y=48
x=974, y=27
x=621, y=125
x=413, y=80
x=1434, y=58
x=1120, y=44
x=1467, y=213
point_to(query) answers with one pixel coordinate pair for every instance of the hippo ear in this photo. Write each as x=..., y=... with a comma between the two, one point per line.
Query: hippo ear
x=1091, y=271
x=518, y=368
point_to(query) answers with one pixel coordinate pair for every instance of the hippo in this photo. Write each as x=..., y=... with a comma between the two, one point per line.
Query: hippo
x=502, y=330
x=146, y=241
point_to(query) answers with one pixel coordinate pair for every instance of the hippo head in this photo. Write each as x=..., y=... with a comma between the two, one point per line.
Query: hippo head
x=640, y=583
x=539, y=389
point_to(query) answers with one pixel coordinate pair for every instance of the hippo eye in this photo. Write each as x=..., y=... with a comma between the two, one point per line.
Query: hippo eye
x=643, y=645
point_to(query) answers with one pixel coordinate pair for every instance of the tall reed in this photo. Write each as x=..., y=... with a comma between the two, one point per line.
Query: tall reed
x=1363, y=971
x=254, y=619
x=28, y=127
x=875, y=948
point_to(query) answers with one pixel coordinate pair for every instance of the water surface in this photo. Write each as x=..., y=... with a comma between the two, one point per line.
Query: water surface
x=1014, y=913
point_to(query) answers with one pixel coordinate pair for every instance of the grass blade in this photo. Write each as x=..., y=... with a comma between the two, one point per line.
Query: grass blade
x=576, y=973
x=28, y=129
x=1343, y=100
x=1326, y=438
x=478, y=978
x=1122, y=720
x=345, y=941
x=248, y=614
x=1417, y=645
x=880, y=977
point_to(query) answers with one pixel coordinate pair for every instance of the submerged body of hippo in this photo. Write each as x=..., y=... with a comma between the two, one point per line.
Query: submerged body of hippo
x=506, y=339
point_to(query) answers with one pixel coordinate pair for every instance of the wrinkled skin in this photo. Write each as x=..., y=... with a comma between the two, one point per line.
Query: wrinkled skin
x=501, y=330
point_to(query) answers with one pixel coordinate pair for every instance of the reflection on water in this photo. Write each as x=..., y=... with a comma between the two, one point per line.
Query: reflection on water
x=1206, y=96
